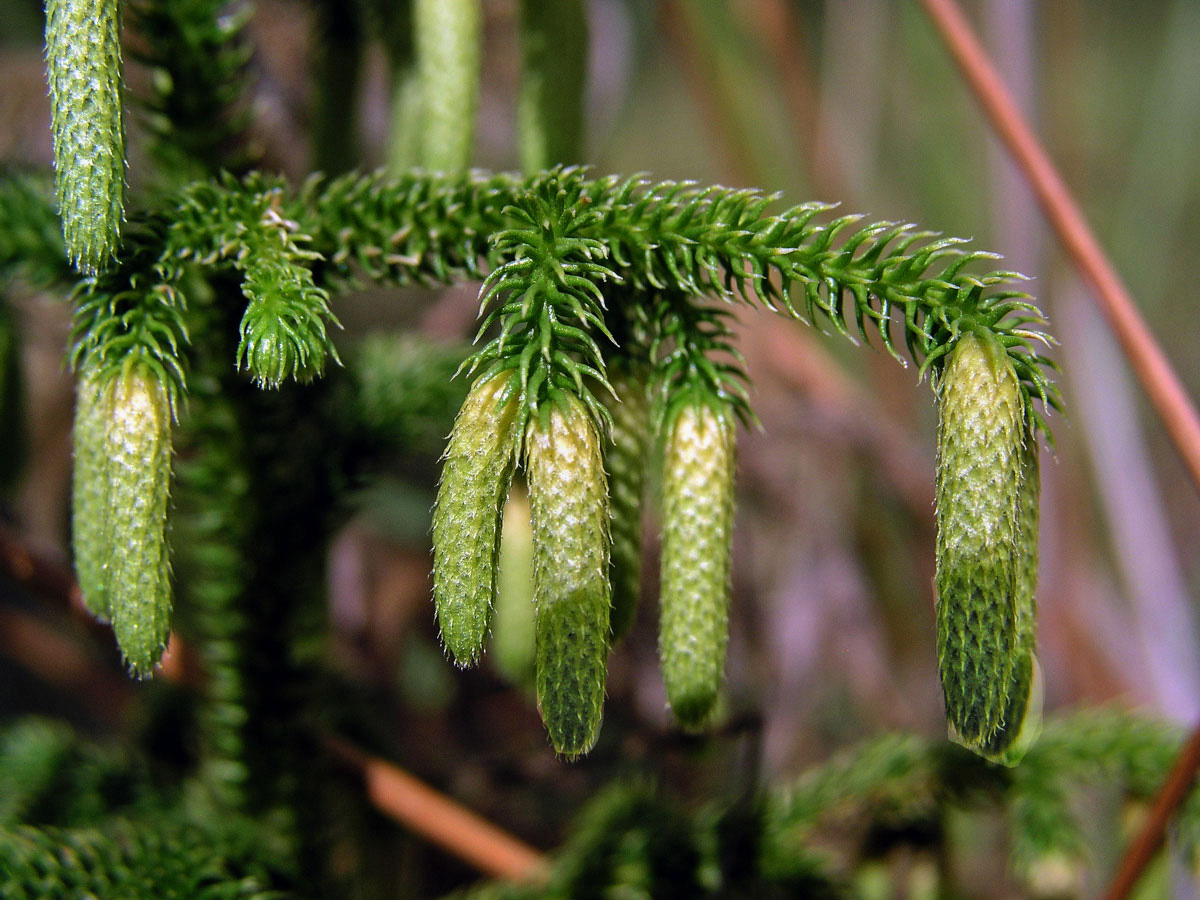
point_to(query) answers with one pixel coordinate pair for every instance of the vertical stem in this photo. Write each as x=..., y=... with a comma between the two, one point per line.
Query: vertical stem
x=404, y=130
x=392, y=20
x=554, y=43
x=448, y=53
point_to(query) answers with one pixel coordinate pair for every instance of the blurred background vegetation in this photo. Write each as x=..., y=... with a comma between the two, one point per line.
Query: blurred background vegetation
x=853, y=101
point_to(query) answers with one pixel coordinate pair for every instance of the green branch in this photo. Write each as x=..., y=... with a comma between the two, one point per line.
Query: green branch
x=714, y=241
x=283, y=332
x=417, y=229
x=666, y=238
x=722, y=242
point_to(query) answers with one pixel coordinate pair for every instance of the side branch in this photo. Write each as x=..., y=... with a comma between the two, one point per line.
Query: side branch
x=667, y=237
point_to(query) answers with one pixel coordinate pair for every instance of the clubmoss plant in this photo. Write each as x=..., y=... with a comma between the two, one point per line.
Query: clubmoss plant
x=557, y=247
x=205, y=339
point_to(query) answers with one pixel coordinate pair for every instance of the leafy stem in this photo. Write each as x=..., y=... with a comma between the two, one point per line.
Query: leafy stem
x=554, y=247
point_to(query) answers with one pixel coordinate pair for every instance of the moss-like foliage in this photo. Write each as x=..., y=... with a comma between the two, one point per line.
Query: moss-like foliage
x=205, y=339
